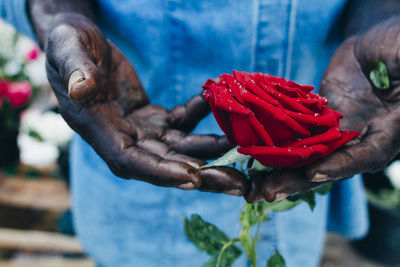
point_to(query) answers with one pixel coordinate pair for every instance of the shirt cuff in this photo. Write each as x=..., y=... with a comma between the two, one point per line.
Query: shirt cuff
x=15, y=13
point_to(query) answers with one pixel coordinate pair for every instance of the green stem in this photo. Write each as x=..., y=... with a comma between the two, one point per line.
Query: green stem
x=224, y=247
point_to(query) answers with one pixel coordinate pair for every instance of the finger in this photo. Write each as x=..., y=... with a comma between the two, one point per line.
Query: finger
x=195, y=145
x=161, y=149
x=223, y=180
x=67, y=54
x=281, y=184
x=136, y=163
x=186, y=117
x=371, y=154
x=254, y=189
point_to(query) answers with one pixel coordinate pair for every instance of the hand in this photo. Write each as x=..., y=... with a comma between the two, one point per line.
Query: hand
x=102, y=99
x=373, y=112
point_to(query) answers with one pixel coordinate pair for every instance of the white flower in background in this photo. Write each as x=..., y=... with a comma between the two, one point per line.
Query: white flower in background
x=50, y=126
x=12, y=67
x=36, y=153
x=52, y=132
x=35, y=70
x=393, y=173
x=6, y=39
x=23, y=46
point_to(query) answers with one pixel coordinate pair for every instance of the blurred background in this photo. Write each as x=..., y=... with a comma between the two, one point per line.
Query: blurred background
x=35, y=215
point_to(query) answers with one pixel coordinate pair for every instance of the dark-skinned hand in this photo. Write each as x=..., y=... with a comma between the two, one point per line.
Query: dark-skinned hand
x=372, y=111
x=102, y=99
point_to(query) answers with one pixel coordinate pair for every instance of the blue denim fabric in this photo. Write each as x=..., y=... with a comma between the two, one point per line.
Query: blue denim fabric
x=175, y=46
x=14, y=12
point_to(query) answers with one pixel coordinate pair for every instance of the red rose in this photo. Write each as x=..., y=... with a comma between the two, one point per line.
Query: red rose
x=278, y=122
x=18, y=93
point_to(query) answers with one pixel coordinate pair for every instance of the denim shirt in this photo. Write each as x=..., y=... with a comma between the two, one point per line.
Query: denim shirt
x=175, y=46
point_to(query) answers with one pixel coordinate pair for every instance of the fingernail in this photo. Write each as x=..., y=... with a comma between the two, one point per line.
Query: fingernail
x=75, y=78
x=280, y=196
x=320, y=177
x=234, y=192
x=187, y=186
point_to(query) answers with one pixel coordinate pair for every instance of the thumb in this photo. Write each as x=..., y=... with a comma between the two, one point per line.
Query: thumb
x=68, y=53
x=375, y=150
x=83, y=82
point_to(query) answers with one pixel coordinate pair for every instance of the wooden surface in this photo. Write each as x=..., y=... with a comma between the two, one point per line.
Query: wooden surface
x=48, y=194
x=38, y=241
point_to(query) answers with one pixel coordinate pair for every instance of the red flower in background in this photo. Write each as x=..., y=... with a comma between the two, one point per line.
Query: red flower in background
x=3, y=89
x=32, y=54
x=278, y=122
x=18, y=93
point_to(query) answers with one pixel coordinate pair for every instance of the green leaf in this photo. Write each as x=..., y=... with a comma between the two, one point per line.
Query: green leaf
x=309, y=197
x=248, y=245
x=379, y=76
x=34, y=134
x=212, y=262
x=254, y=213
x=276, y=260
x=324, y=189
x=206, y=236
x=284, y=204
x=226, y=259
x=230, y=157
x=257, y=167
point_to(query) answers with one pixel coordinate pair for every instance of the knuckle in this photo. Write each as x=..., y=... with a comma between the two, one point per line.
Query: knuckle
x=59, y=34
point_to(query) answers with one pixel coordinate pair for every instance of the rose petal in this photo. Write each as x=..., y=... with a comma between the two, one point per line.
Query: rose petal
x=280, y=84
x=228, y=81
x=247, y=81
x=286, y=101
x=243, y=132
x=330, y=135
x=315, y=105
x=326, y=118
x=281, y=156
x=261, y=131
x=269, y=111
x=235, y=120
x=305, y=88
x=221, y=117
x=224, y=100
x=346, y=137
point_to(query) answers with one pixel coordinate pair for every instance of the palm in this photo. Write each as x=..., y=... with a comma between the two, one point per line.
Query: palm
x=373, y=112
x=107, y=105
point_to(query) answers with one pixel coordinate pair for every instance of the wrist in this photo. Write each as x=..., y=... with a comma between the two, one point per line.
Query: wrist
x=42, y=14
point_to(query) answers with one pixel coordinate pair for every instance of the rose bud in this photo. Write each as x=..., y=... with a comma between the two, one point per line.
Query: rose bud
x=278, y=122
x=32, y=54
x=18, y=93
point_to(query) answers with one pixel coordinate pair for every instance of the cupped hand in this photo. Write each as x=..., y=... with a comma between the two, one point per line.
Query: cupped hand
x=102, y=99
x=372, y=111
